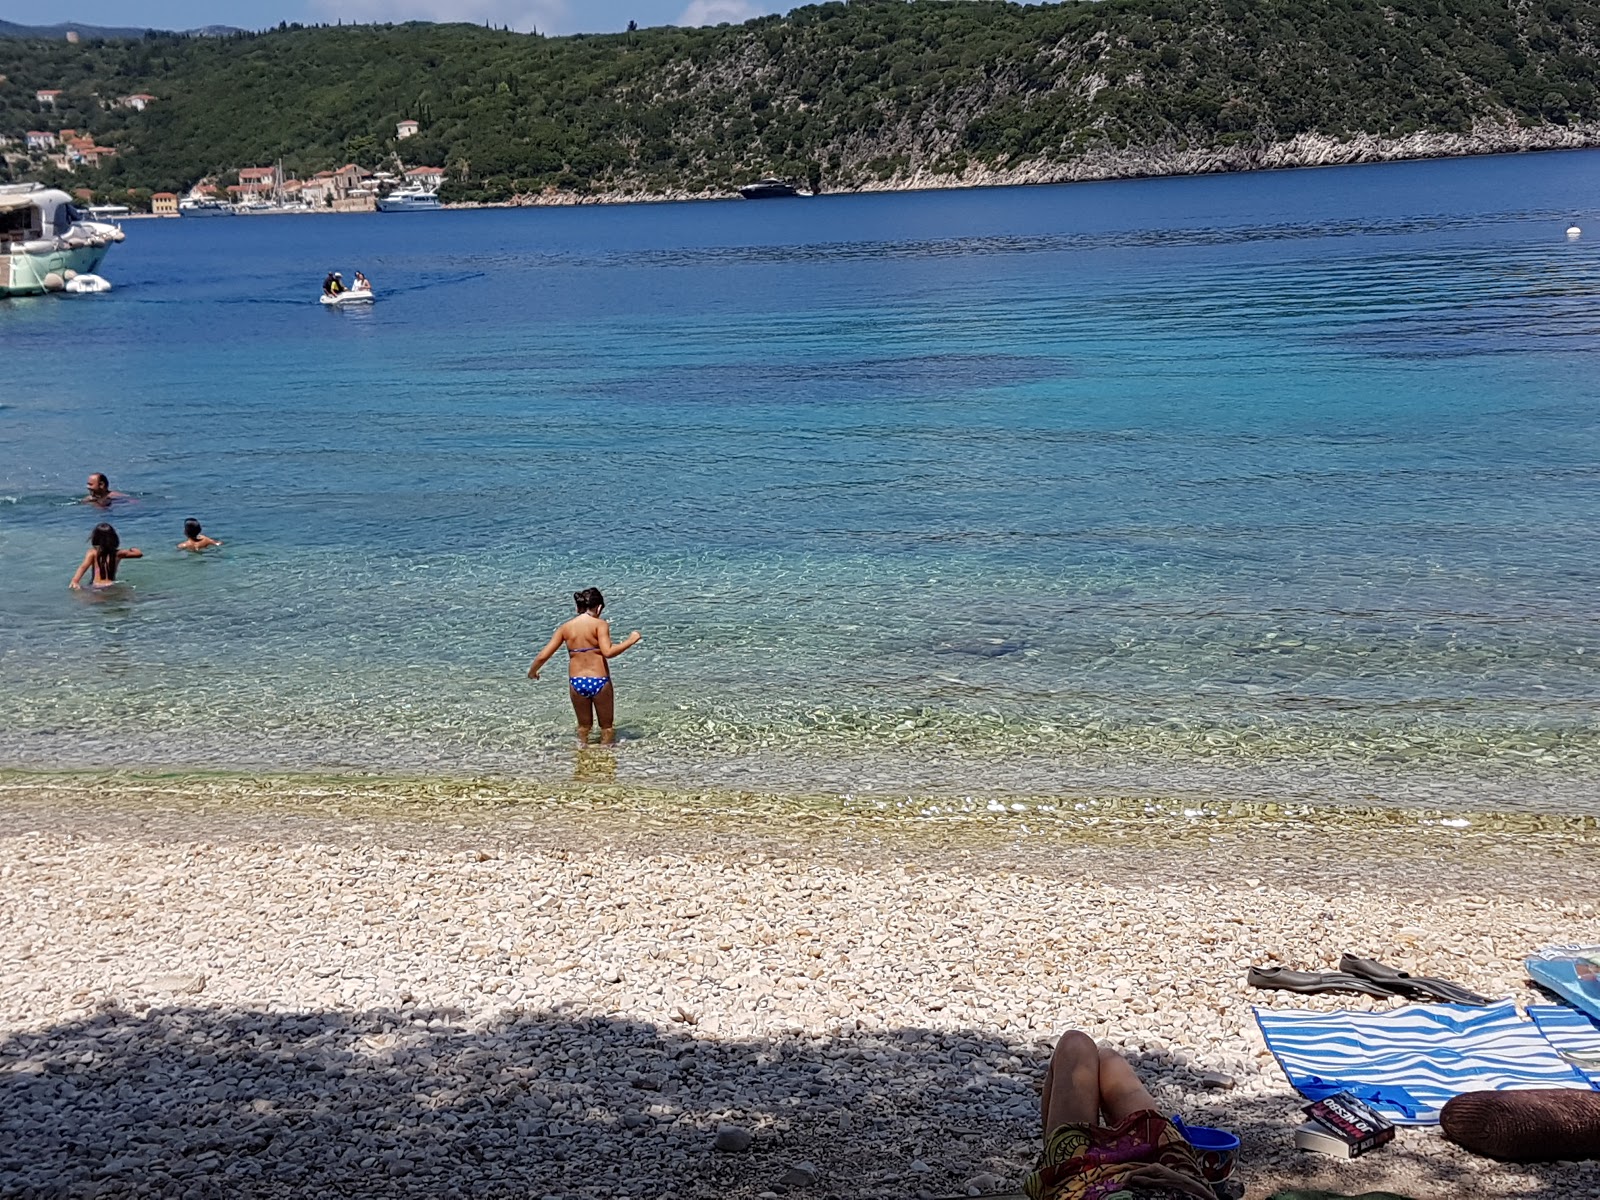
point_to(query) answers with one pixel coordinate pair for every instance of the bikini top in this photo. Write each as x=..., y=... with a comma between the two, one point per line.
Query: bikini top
x=584, y=650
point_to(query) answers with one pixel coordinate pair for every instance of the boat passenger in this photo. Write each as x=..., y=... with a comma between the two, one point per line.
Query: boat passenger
x=590, y=650
x=362, y=283
x=100, y=563
x=333, y=284
x=193, y=539
x=100, y=493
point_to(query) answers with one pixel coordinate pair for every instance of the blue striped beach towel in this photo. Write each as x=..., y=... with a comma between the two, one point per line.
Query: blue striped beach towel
x=1574, y=1034
x=1408, y=1061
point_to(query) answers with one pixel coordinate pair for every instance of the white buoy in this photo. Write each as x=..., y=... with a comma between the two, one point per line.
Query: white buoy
x=83, y=284
x=1573, y=231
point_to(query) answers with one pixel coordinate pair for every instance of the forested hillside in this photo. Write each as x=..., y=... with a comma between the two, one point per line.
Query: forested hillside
x=869, y=94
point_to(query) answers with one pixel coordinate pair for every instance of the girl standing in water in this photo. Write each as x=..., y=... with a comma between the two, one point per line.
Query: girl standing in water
x=590, y=650
x=105, y=552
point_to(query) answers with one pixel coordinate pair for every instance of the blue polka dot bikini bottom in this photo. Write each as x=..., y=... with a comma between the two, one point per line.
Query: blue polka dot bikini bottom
x=589, y=686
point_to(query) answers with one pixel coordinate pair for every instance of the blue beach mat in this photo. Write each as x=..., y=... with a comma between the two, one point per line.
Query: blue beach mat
x=1408, y=1062
x=1574, y=1034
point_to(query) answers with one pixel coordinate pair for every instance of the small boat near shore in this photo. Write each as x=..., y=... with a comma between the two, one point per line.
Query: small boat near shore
x=46, y=241
x=770, y=189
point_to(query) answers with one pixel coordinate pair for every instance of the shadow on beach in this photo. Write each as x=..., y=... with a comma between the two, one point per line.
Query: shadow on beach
x=199, y=1102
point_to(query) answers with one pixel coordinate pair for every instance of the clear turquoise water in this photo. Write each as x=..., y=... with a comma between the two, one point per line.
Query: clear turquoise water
x=1271, y=485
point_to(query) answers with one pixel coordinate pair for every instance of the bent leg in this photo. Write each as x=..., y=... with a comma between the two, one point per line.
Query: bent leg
x=605, y=707
x=1121, y=1093
x=584, y=708
x=1072, y=1083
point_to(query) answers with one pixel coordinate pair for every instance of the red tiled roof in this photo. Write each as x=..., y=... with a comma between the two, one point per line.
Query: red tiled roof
x=163, y=195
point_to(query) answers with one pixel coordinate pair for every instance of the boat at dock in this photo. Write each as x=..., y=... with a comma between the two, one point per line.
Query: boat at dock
x=409, y=199
x=204, y=206
x=46, y=240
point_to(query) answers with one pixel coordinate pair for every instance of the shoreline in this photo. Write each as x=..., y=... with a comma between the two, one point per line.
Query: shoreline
x=486, y=801
x=317, y=986
x=1304, y=152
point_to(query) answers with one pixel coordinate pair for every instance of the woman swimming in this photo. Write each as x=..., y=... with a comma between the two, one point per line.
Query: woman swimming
x=590, y=650
x=105, y=552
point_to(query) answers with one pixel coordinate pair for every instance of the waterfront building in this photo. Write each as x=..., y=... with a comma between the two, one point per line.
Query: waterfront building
x=258, y=181
x=164, y=204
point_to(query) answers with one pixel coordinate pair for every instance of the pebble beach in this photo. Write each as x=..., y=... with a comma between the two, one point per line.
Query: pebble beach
x=221, y=987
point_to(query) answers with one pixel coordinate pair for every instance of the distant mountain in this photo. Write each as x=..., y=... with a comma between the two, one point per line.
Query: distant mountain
x=59, y=32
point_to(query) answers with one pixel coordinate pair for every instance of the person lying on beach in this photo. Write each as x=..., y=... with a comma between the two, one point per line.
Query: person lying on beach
x=105, y=552
x=590, y=650
x=1135, y=1152
x=193, y=539
x=100, y=492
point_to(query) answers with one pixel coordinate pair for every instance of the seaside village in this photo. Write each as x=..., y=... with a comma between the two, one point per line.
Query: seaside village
x=255, y=189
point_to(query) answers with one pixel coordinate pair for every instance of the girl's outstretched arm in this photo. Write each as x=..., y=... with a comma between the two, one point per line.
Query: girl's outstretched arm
x=611, y=649
x=130, y=552
x=546, y=654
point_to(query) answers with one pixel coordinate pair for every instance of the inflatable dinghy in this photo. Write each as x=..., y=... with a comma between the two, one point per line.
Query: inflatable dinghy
x=1571, y=972
x=82, y=284
x=346, y=299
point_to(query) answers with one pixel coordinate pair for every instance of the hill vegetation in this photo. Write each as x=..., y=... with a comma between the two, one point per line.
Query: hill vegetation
x=874, y=93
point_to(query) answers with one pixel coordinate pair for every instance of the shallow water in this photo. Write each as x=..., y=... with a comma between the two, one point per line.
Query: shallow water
x=1264, y=486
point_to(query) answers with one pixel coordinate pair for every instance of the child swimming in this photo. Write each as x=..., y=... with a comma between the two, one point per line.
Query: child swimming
x=105, y=553
x=193, y=539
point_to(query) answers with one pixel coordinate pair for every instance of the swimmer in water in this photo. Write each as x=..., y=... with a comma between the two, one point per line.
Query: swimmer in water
x=105, y=553
x=590, y=650
x=100, y=493
x=193, y=539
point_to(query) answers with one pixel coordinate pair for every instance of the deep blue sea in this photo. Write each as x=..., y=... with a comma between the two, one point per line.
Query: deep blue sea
x=1270, y=486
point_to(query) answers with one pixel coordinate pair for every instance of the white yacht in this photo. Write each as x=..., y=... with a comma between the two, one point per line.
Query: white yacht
x=413, y=198
x=203, y=206
x=45, y=241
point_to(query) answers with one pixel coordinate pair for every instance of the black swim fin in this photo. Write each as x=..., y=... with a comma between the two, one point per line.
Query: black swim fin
x=1412, y=987
x=1309, y=983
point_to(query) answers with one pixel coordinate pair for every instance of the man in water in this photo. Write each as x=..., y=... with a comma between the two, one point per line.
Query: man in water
x=100, y=493
x=333, y=284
